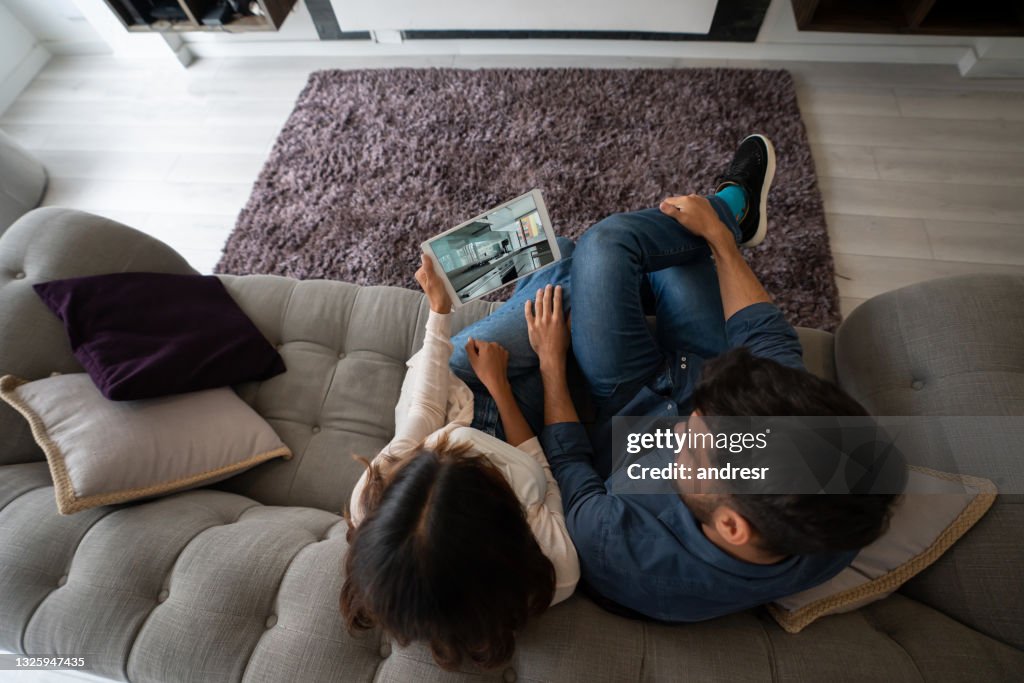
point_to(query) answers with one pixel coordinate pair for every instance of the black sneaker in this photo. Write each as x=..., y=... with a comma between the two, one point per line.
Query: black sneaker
x=752, y=168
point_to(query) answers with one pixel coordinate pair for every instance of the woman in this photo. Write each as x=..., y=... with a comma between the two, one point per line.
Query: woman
x=456, y=537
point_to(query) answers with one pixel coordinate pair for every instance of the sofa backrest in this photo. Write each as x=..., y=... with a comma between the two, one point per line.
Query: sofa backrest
x=345, y=348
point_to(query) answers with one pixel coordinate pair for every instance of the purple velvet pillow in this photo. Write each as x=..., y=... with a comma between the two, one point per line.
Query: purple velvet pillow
x=142, y=335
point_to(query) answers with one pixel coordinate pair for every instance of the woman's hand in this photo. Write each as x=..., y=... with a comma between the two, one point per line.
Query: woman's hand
x=490, y=363
x=545, y=322
x=433, y=287
x=696, y=214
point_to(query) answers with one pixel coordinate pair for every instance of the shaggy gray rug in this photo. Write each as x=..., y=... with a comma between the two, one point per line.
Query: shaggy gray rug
x=372, y=162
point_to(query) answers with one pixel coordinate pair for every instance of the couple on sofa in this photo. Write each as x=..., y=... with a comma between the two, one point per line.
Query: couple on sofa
x=492, y=501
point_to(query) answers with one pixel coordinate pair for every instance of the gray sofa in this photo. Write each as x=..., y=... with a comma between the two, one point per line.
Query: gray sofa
x=240, y=581
x=22, y=181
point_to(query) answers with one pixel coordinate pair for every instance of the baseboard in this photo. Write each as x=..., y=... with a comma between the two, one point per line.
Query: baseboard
x=81, y=48
x=896, y=54
x=22, y=75
x=974, y=66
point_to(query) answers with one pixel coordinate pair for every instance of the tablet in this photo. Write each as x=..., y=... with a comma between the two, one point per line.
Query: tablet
x=494, y=249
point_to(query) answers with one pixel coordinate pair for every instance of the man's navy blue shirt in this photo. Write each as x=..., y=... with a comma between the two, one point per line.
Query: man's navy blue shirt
x=647, y=552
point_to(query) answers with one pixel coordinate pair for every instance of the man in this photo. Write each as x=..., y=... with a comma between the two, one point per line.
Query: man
x=677, y=556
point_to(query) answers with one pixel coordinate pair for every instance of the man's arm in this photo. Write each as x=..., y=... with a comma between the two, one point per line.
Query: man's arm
x=563, y=439
x=737, y=283
x=558, y=405
x=752, y=320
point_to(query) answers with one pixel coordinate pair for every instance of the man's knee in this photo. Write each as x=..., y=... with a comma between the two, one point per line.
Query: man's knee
x=610, y=235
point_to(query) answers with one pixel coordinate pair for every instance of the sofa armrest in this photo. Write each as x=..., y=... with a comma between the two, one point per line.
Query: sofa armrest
x=954, y=347
x=819, y=352
x=51, y=244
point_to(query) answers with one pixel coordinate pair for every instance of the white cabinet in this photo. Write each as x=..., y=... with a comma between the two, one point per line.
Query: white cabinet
x=670, y=16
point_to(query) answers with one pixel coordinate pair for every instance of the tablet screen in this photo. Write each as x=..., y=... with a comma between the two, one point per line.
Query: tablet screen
x=496, y=248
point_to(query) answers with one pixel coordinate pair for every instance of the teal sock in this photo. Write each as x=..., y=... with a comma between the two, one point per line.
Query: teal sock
x=735, y=198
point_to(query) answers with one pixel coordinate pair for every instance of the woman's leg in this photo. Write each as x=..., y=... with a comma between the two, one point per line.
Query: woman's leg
x=507, y=326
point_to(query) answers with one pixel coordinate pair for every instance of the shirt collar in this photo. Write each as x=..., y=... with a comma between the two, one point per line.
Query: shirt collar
x=686, y=527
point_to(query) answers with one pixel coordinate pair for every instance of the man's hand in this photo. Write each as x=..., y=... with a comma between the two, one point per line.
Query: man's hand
x=432, y=286
x=696, y=214
x=738, y=285
x=490, y=363
x=545, y=322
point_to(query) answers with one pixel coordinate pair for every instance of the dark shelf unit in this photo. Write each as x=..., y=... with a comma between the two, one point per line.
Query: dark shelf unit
x=924, y=17
x=134, y=15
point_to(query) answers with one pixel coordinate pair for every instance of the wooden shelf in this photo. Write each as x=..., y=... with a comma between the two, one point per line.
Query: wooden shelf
x=925, y=17
x=273, y=15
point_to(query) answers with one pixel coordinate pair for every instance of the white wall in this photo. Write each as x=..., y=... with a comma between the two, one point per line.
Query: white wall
x=16, y=42
x=779, y=39
x=21, y=57
x=58, y=25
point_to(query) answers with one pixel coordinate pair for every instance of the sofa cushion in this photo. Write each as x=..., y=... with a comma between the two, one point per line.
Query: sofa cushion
x=935, y=510
x=102, y=452
x=47, y=244
x=144, y=335
x=234, y=590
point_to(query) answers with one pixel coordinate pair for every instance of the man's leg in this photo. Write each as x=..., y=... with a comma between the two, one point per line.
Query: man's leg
x=507, y=325
x=688, y=308
x=612, y=343
x=687, y=299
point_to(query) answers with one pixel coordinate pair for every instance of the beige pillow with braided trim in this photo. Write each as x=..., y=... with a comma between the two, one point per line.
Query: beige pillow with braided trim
x=102, y=452
x=934, y=512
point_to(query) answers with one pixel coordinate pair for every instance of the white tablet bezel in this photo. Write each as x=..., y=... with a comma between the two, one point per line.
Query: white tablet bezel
x=538, y=199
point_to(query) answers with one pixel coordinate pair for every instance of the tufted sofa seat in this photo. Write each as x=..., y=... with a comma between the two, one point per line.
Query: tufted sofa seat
x=240, y=581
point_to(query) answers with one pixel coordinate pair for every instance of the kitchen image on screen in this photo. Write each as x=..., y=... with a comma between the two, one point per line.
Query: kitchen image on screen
x=491, y=251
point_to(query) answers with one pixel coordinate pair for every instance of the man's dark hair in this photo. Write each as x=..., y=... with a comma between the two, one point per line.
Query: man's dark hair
x=740, y=384
x=445, y=556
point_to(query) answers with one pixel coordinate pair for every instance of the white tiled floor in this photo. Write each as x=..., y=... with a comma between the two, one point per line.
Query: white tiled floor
x=920, y=169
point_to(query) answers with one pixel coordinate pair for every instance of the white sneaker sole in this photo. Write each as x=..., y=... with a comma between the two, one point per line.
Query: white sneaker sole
x=769, y=175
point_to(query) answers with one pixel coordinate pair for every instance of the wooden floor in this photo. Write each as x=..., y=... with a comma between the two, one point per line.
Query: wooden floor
x=922, y=171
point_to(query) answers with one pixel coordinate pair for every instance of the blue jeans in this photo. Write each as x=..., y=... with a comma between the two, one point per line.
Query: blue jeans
x=507, y=325
x=624, y=267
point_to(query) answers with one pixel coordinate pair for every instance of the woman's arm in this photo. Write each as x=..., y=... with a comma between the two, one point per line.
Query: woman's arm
x=421, y=409
x=490, y=363
x=422, y=405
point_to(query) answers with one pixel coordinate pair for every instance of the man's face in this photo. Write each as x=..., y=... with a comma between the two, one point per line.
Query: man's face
x=694, y=492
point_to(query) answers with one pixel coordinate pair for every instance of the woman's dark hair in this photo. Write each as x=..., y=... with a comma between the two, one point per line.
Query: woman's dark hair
x=444, y=555
x=740, y=384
